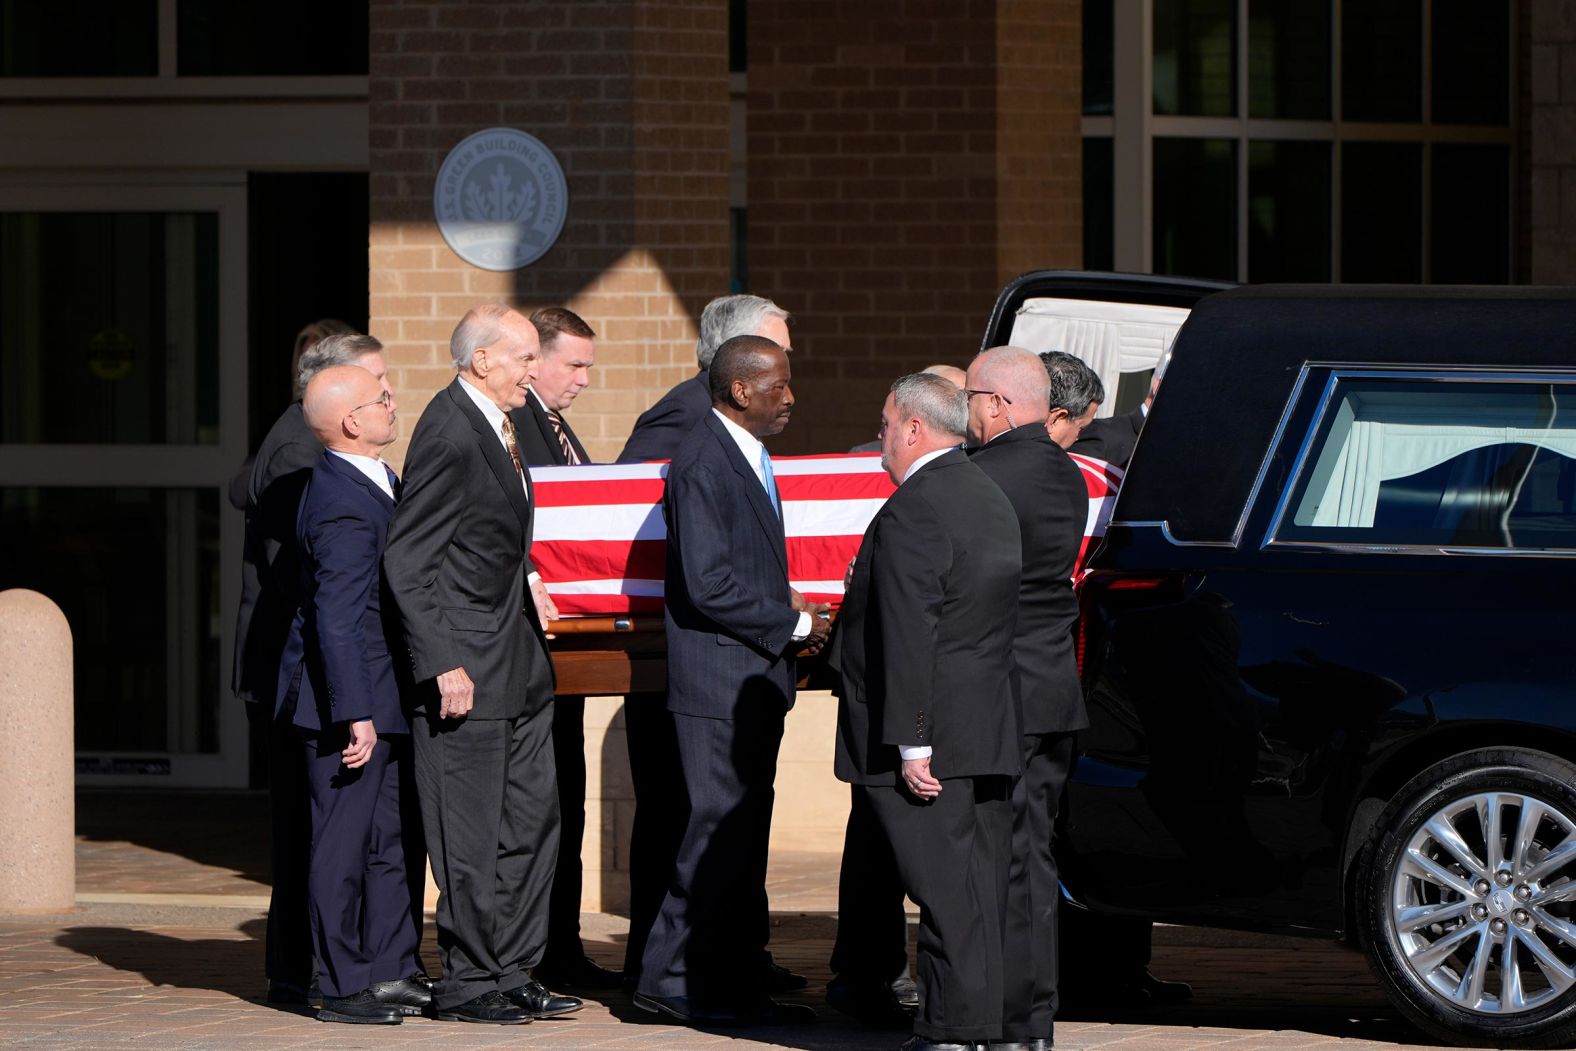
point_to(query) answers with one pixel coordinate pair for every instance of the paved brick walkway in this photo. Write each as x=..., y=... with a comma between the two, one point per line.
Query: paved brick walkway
x=164, y=953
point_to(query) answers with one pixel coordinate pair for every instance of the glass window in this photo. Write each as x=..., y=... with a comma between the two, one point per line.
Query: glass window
x=1469, y=229
x=1289, y=59
x=109, y=327
x=79, y=38
x=1382, y=60
x=1195, y=63
x=1381, y=212
x=1195, y=213
x=1099, y=235
x=1099, y=56
x=1471, y=70
x=221, y=38
x=1288, y=211
x=136, y=572
x=1442, y=464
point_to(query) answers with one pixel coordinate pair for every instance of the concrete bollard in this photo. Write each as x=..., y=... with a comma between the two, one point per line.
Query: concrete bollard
x=38, y=865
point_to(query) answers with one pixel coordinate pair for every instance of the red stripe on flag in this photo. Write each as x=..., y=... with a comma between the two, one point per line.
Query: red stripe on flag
x=562, y=561
x=558, y=493
x=872, y=486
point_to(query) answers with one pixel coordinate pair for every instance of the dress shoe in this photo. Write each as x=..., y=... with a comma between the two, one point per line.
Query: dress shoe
x=1163, y=993
x=1037, y=1044
x=872, y=1002
x=410, y=995
x=915, y=1043
x=362, y=1009
x=289, y=993
x=782, y=980
x=905, y=992
x=491, y=1007
x=534, y=999
x=778, y=1012
x=581, y=972
x=682, y=1009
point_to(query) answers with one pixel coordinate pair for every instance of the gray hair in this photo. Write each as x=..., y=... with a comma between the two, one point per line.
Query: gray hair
x=480, y=327
x=343, y=349
x=938, y=403
x=729, y=316
x=1073, y=384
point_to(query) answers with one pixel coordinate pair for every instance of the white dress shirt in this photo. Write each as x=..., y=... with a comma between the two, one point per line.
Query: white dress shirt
x=371, y=466
x=920, y=751
x=750, y=446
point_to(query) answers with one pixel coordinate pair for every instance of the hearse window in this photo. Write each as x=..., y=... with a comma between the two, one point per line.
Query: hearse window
x=1441, y=464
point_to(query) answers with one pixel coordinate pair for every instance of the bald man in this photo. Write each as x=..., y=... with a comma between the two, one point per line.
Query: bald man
x=1009, y=392
x=340, y=686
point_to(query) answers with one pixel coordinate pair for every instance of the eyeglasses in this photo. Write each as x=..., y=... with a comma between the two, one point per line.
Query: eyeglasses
x=384, y=399
x=998, y=394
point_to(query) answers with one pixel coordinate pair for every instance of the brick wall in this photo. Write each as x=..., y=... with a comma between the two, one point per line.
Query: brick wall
x=906, y=157
x=1549, y=146
x=631, y=95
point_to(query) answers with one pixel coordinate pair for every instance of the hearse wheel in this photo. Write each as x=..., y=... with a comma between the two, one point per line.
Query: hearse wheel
x=1466, y=901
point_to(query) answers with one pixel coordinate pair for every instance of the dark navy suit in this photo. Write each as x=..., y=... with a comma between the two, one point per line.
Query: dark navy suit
x=661, y=428
x=338, y=668
x=730, y=625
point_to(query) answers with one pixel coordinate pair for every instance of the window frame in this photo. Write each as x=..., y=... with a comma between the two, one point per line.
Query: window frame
x=1308, y=444
x=1133, y=126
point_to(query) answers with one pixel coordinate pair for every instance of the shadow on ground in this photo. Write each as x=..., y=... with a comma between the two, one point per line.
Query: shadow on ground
x=227, y=830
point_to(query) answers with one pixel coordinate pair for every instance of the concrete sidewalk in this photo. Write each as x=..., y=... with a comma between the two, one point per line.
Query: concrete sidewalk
x=164, y=952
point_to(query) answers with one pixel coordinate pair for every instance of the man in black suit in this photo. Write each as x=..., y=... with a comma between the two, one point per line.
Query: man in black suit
x=458, y=563
x=339, y=686
x=927, y=718
x=1009, y=399
x=660, y=428
x=270, y=592
x=1076, y=394
x=734, y=626
x=562, y=372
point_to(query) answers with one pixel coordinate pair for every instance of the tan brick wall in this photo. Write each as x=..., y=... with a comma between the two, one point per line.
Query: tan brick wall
x=631, y=95
x=905, y=159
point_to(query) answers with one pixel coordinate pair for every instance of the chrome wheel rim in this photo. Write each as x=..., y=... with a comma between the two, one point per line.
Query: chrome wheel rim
x=1481, y=903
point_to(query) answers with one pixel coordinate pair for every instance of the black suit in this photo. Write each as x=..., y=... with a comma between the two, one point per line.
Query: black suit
x=924, y=652
x=539, y=446
x=457, y=562
x=661, y=428
x=1112, y=438
x=270, y=587
x=1050, y=499
x=338, y=668
x=730, y=626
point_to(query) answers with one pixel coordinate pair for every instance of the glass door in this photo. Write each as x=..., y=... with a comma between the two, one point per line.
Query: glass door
x=122, y=418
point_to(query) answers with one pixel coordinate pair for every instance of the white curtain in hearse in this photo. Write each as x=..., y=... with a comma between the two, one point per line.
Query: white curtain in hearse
x=1379, y=437
x=1111, y=338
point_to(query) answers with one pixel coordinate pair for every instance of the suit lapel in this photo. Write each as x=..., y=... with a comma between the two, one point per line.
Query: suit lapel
x=497, y=458
x=351, y=472
x=755, y=493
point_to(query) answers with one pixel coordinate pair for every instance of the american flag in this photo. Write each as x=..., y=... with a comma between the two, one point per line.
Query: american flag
x=599, y=541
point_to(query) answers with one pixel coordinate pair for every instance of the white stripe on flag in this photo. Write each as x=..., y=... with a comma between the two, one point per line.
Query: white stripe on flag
x=617, y=586
x=870, y=464
x=829, y=517
x=600, y=522
x=818, y=587
x=603, y=472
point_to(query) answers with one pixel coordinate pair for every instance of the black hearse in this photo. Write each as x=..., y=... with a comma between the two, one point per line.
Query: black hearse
x=1326, y=643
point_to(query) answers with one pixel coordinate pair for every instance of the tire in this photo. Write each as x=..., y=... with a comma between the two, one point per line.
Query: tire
x=1492, y=967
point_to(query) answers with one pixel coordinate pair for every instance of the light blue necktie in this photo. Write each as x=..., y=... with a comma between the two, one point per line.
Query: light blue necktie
x=770, y=481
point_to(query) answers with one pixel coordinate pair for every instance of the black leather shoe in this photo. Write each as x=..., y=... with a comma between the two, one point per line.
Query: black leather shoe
x=362, y=1009
x=905, y=992
x=1037, y=1044
x=680, y=1008
x=1163, y=993
x=534, y=999
x=493, y=1008
x=782, y=980
x=915, y=1043
x=871, y=1002
x=410, y=995
x=580, y=973
x=777, y=1012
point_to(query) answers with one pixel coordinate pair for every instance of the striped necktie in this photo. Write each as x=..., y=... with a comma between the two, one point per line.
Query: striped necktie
x=563, y=438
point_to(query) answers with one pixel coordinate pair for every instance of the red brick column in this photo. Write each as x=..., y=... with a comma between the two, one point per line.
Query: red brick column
x=906, y=158
x=631, y=95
